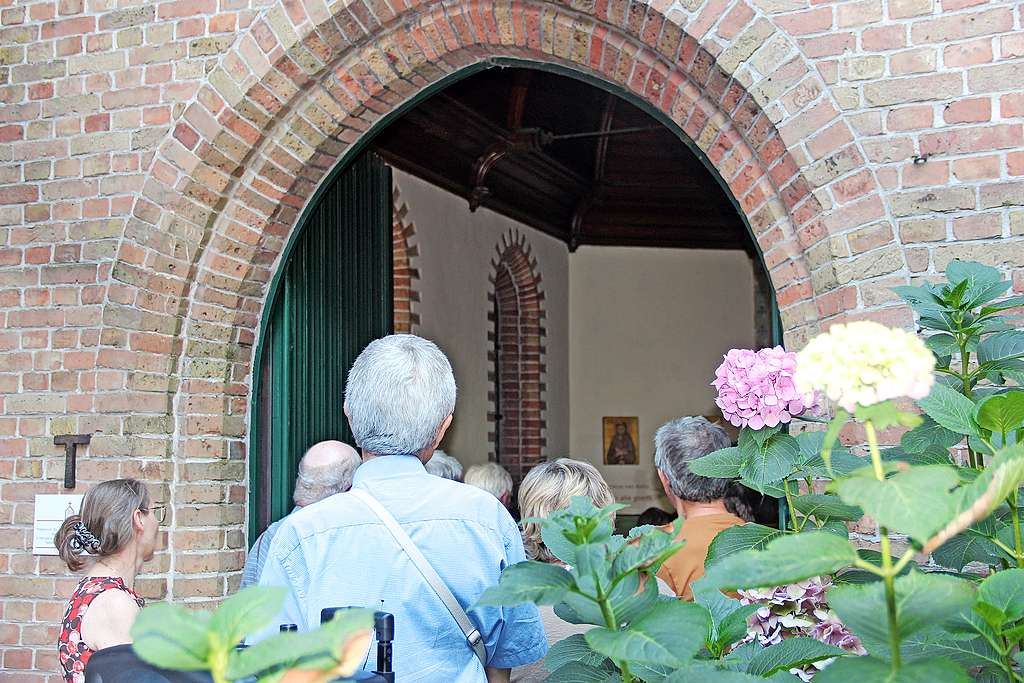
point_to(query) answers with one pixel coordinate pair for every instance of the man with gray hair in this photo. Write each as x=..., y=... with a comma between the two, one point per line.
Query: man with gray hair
x=493, y=478
x=702, y=502
x=325, y=469
x=403, y=541
x=443, y=465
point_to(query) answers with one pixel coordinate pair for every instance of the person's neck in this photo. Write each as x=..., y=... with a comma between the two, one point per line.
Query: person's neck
x=367, y=456
x=689, y=509
x=125, y=565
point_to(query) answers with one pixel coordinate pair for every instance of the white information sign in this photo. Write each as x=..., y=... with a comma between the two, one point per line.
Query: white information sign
x=51, y=511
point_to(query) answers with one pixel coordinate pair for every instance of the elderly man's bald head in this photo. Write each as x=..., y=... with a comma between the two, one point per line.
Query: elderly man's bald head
x=325, y=469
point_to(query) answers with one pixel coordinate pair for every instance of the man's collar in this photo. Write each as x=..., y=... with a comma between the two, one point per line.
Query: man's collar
x=387, y=466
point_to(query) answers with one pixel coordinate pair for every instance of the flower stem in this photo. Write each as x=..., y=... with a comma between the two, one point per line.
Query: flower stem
x=1018, y=542
x=973, y=459
x=218, y=666
x=1002, y=546
x=890, y=599
x=612, y=624
x=1006, y=648
x=903, y=561
x=888, y=573
x=876, y=455
x=965, y=377
x=789, y=503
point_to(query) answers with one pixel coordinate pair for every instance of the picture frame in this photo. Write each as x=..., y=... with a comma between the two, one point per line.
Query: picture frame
x=621, y=440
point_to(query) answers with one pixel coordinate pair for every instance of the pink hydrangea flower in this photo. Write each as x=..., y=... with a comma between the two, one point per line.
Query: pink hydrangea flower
x=756, y=389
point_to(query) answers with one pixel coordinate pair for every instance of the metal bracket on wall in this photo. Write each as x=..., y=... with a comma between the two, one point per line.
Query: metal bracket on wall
x=71, y=442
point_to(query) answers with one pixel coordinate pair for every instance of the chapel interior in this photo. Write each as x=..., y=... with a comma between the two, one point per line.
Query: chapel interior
x=575, y=259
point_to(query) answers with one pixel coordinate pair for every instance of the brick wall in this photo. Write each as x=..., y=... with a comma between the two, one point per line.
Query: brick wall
x=405, y=275
x=516, y=354
x=154, y=157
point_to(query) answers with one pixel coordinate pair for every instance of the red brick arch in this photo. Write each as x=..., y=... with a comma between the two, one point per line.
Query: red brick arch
x=517, y=387
x=296, y=93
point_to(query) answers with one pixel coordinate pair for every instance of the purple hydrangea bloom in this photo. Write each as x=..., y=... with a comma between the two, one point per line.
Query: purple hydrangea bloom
x=798, y=609
x=756, y=389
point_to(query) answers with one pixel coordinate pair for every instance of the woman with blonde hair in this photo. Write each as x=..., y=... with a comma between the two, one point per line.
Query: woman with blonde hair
x=114, y=534
x=551, y=486
x=548, y=487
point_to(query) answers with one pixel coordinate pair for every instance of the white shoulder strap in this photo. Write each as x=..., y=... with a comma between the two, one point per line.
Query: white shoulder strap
x=436, y=582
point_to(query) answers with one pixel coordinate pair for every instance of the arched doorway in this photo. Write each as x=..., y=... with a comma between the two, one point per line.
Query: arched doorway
x=516, y=334
x=273, y=458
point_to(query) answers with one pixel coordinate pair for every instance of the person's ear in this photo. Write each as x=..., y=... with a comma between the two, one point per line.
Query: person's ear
x=138, y=521
x=426, y=454
x=505, y=498
x=442, y=430
x=666, y=486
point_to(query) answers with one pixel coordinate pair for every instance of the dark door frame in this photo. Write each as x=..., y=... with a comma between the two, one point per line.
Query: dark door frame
x=257, y=431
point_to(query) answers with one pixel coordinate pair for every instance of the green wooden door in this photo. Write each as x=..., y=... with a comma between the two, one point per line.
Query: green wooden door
x=332, y=296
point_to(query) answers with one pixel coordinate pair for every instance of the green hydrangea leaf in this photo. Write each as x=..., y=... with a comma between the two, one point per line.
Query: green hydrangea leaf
x=950, y=409
x=1005, y=591
x=792, y=653
x=723, y=464
x=872, y=670
x=918, y=501
x=670, y=634
x=573, y=649
x=246, y=612
x=171, y=637
x=787, y=559
x=530, y=581
x=922, y=600
x=825, y=507
x=928, y=436
x=769, y=461
x=1001, y=412
x=736, y=539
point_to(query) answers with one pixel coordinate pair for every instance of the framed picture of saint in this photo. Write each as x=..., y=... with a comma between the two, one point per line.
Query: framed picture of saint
x=621, y=440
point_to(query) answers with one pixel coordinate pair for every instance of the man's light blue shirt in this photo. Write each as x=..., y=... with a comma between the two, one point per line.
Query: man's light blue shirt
x=257, y=556
x=336, y=553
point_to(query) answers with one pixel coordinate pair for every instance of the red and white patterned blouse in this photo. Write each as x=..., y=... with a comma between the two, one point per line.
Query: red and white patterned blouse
x=71, y=650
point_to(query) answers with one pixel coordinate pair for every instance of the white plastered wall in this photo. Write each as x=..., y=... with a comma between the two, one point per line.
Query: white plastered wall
x=629, y=331
x=647, y=328
x=456, y=249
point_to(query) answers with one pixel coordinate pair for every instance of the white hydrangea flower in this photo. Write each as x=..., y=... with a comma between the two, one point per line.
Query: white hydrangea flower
x=863, y=363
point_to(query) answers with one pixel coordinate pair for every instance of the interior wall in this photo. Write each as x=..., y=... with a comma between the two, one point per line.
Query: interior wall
x=629, y=331
x=647, y=329
x=456, y=248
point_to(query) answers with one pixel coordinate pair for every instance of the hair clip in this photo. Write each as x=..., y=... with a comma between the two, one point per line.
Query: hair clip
x=85, y=539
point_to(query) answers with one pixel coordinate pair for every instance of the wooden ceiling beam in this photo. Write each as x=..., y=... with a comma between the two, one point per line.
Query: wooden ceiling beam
x=644, y=190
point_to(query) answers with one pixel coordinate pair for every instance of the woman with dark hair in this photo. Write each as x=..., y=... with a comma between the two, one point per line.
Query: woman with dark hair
x=114, y=534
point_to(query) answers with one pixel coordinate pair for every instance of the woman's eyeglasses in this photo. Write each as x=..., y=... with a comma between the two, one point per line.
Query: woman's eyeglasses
x=160, y=512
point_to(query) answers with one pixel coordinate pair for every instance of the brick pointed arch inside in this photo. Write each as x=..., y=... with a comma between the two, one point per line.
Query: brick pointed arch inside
x=405, y=276
x=516, y=352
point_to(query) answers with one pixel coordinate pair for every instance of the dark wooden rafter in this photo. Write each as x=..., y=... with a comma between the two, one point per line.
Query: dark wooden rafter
x=580, y=165
x=517, y=98
x=514, y=142
x=600, y=157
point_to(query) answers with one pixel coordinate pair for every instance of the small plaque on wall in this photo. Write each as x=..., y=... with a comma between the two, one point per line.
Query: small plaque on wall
x=621, y=438
x=50, y=512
